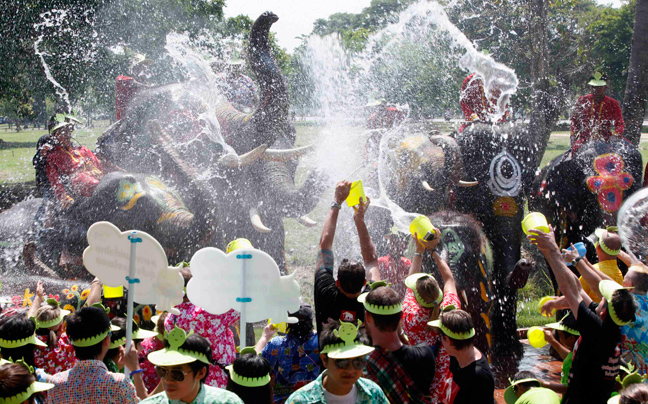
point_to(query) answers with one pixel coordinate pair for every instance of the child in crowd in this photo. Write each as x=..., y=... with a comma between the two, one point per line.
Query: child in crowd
x=525, y=388
x=249, y=378
x=58, y=355
x=423, y=302
x=18, y=384
x=473, y=380
x=344, y=357
x=18, y=340
x=151, y=344
x=183, y=366
x=562, y=337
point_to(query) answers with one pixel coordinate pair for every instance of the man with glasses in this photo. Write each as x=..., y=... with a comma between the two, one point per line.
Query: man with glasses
x=343, y=355
x=183, y=366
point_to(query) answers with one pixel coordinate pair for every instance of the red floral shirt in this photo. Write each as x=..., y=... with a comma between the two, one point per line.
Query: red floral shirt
x=55, y=359
x=414, y=321
x=216, y=328
x=151, y=379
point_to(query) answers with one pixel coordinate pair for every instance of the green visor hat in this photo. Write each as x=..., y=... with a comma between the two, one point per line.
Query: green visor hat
x=174, y=355
x=454, y=335
x=90, y=341
x=143, y=334
x=607, y=289
x=509, y=394
x=600, y=233
x=349, y=347
x=410, y=282
x=562, y=327
x=117, y=343
x=17, y=343
x=244, y=380
x=376, y=309
x=598, y=79
x=35, y=387
x=56, y=321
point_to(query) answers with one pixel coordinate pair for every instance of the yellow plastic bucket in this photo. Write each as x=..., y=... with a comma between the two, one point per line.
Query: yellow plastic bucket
x=357, y=192
x=110, y=292
x=536, y=337
x=238, y=244
x=422, y=226
x=281, y=327
x=535, y=220
x=542, y=302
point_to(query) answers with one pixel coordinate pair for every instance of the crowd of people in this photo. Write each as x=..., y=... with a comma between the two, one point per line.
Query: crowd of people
x=380, y=331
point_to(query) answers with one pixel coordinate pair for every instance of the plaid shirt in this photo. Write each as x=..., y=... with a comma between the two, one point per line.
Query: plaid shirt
x=313, y=393
x=90, y=381
x=383, y=368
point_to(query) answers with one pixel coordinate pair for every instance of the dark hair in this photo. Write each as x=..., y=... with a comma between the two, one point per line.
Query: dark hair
x=385, y=296
x=428, y=288
x=251, y=365
x=624, y=304
x=15, y=379
x=351, y=275
x=160, y=322
x=119, y=334
x=634, y=394
x=15, y=327
x=85, y=323
x=200, y=344
x=48, y=312
x=303, y=329
x=458, y=321
x=525, y=374
x=638, y=278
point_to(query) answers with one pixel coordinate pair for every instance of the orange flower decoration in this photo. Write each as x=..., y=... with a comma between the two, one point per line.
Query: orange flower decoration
x=69, y=307
x=66, y=291
x=27, y=301
x=147, y=313
x=85, y=294
x=74, y=288
x=70, y=296
x=136, y=318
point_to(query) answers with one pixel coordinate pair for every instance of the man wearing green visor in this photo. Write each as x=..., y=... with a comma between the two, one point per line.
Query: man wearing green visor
x=183, y=366
x=597, y=353
x=343, y=355
x=596, y=116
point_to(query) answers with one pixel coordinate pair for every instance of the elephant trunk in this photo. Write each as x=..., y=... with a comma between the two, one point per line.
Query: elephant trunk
x=289, y=200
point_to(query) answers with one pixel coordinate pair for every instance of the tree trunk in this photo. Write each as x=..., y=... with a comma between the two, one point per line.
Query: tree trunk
x=636, y=93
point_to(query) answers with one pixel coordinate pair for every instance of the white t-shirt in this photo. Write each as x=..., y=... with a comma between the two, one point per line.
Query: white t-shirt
x=346, y=399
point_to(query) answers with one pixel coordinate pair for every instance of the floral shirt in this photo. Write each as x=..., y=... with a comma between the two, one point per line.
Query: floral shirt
x=214, y=327
x=414, y=321
x=206, y=395
x=55, y=359
x=313, y=393
x=394, y=272
x=151, y=379
x=294, y=365
x=635, y=336
x=89, y=381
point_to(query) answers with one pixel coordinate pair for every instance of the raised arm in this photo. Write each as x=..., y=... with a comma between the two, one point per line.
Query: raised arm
x=628, y=259
x=567, y=282
x=449, y=285
x=38, y=300
x=328, y=232
x=421, y=246
x=367, y=247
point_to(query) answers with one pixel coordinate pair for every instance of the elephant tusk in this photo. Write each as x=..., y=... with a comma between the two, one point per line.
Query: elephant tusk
x=234, y=161
x=258, y=225
x=467, y=184
x=307, y=221
x=426, y=186
x=283, y=155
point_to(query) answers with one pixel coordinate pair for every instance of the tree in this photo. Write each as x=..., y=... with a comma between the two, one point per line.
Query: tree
x=636, y=94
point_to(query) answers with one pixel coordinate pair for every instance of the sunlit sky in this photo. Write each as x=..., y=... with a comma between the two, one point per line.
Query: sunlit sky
x=296, y=17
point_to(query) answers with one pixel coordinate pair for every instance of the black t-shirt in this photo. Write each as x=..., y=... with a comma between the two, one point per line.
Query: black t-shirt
x=596, y=359
x=419, y=362
x=329, y=301
x=474, y=384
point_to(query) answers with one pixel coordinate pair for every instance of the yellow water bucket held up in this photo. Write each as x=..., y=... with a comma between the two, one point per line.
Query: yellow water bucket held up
x=535, y=220
x=281, y=327
x=422, y=226
x=357, y=192
x=238, y=244
x=542, y=302
x=110, y=292
x=536, y=337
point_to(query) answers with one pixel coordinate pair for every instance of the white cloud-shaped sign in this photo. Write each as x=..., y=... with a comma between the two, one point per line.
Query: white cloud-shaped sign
x=108, y=258
x=217, y=285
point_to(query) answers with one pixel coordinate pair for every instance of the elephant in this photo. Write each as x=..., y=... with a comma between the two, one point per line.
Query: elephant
x=500, y=159
x=582, y=192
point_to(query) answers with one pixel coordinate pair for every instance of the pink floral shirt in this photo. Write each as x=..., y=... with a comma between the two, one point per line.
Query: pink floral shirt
x=151, y=379
x=414, y=321
x=55, y=359
x=216, y=328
